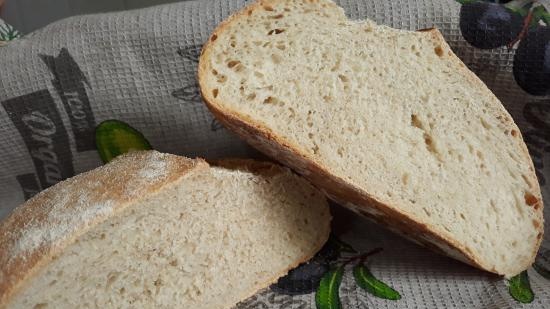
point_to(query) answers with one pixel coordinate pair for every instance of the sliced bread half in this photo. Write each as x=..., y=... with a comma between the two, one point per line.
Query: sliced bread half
x=389, y=121
x=153, y=230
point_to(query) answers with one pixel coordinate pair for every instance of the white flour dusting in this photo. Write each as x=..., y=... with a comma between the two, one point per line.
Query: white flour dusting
x=155, y=167
x=62, y=222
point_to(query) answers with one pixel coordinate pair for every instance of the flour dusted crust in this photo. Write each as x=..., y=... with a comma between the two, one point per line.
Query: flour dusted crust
x=37, y=231
x=357, y=199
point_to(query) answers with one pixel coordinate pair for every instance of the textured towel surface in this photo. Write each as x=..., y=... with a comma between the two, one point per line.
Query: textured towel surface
x=58, y=83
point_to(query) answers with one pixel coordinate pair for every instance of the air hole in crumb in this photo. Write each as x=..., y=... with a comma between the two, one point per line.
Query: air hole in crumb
x=233, y=44
x=315, y=149
x=214, y=72
x=438, y=51
x=340, y=152
x=405, y=179
x=343, y=78
x=429, y=143
x=276, y=58
x=291, y=111
x=479, y=155
x=485, y=124
x=232, y=63
x=275, y=31
x=215, y=93
x=493, y=206
x=221, y=79
x=536, y=223
x=530, y=199
x=462, y=216
x=251, y=96
x=157, y=282
x=415, y=122
x=268, y=8
x=40, y=306
x=281, y=47
x=428, y=213
x=122, y=290
x=278, y=16
x=514, y=133
x=213, y=38
x=270, y=100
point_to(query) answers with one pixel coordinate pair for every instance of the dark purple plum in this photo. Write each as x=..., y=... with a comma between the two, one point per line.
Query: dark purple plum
x=489, y=25
x=302, y=280
x=305, y=278
x=532, y=62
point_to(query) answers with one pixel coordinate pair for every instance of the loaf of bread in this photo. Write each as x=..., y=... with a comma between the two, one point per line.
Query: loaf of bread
x=153, y=230
x=390, y=122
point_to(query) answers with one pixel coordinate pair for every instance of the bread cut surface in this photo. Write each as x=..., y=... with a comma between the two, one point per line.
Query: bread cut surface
x=389, y=121
x=152, y=230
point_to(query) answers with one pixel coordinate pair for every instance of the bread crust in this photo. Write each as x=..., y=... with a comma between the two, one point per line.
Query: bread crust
x=110, y=182
x=106, y=183
x=290, y=154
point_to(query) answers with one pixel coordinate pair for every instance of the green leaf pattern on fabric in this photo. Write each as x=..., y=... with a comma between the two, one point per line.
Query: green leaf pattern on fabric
x=113, y=138
x=366, y=280
x=328, y=294
x=520, y=288
x=8, y=33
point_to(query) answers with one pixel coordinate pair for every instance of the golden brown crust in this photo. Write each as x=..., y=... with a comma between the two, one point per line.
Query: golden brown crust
x=28, y=236
x=290, y=154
